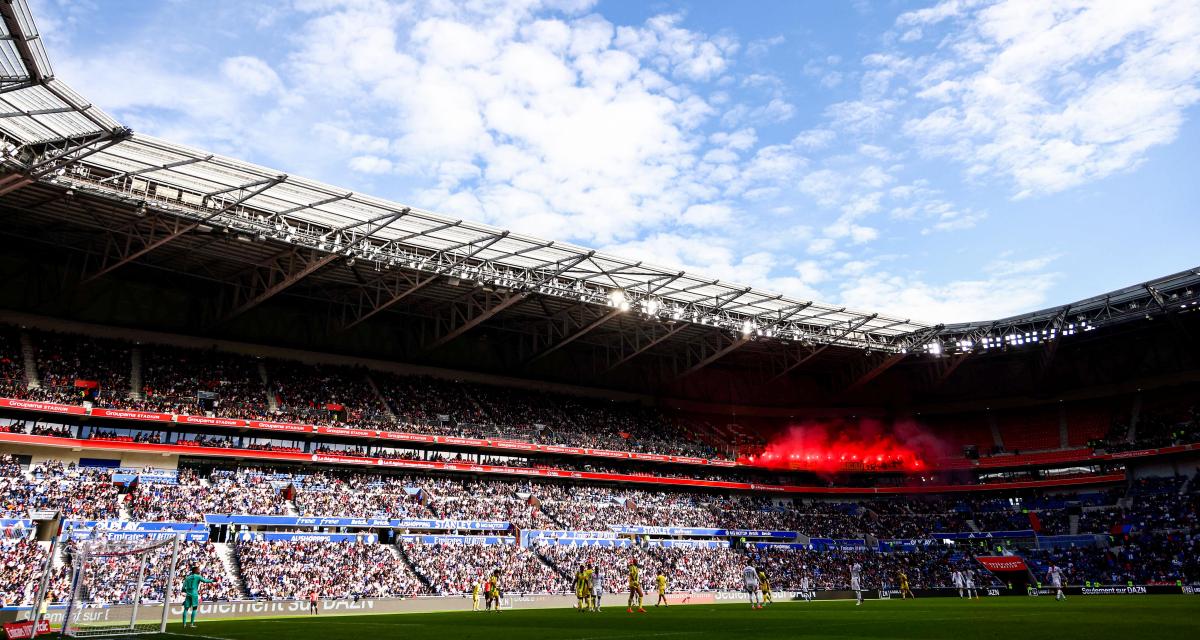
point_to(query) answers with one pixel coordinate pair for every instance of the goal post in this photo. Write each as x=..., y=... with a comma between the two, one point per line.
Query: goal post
x=120, y=588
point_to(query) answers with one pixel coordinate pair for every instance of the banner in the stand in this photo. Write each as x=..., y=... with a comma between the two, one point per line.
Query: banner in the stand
x=122, y=414
x=600, y=543
x=123, y=525
x=666, y=531
x=128, y=535
x=210, y=422
x=285, y=427
x=301, y=536
x=45, y=407
x=407, y=437
x=985, y=535
x=690, y=544
x=759, y=533
x=562, y=533
x=794, y=546
x=368, y=523
x=344, y=431
x=1002, y=563
x=829, y=544
x=469, y=540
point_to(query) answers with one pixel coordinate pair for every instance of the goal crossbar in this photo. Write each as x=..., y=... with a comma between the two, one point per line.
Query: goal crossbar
x=131, y=574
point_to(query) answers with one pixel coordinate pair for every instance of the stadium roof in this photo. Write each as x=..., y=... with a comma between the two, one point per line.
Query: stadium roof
x=55, y=137
x=43, y=115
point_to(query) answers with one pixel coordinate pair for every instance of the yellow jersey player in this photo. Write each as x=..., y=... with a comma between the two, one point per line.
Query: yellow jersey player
x=585, y=582
x=635, y=587
x=493, y=591
x=765, y=586
x=905, y=592
x=660, y=583
x=475, y=596
x=578, y=584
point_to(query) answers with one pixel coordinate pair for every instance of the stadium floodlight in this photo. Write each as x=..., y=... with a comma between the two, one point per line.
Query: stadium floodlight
x=747, y=328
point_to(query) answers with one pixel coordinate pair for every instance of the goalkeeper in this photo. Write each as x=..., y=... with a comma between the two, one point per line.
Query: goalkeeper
x=191, y=593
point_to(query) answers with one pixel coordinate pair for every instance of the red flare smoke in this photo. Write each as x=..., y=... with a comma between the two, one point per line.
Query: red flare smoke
x=858, y=445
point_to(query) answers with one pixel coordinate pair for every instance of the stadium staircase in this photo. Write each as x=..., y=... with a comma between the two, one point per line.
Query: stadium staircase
x=1064, y=434
x=553, y=567
x=135, y=373
x=272, y=401
x=233, y=571
x=399, y=551
x=379, y=396
x=974, y=527
x=30, y=361
x=1131, y=435
x=995, y=428
x=1073, y=520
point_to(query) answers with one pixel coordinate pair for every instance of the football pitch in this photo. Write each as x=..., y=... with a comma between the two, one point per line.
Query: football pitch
x=1093, y=618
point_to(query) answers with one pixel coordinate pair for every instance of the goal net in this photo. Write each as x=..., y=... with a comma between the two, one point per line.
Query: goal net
x=120, y=586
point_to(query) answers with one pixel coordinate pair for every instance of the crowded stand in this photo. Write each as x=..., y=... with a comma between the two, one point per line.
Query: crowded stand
x=12, y=363
x=20, y=569
x=324, y=394
x=361, y=496
x=196, y=381
x=285, y=570
x=77, y=492
x=452, y=568
x=224, y=492
x=76, y=369
x=480, y=499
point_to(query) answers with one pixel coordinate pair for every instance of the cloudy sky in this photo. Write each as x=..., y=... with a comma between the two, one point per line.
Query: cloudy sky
x=944, y=161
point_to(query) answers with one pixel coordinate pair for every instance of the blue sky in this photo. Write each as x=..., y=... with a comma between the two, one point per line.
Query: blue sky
x=944, y=161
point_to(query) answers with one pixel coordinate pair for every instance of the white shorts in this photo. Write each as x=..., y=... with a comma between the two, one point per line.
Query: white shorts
x=1057, y=584
x=855, y=584
x=751, y=587
x=970, y=584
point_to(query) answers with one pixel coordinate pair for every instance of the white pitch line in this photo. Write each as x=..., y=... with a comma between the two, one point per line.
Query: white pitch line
x=194, y=635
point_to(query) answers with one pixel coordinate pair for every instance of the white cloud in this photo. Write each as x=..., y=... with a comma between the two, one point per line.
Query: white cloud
x=953, y=301
x=1059, y=93
x=251, y=74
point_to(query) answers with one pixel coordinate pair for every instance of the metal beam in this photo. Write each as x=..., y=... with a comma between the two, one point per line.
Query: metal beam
x=574, y=336
x=21, y=41
x=179, y=231
x=873, y=373
x=169, y=165
x=735, y=345
x=290, y=267
x=378, y=305
x=642, y=349
x=279, y=274
x=474, y=322
x=955, y=363
x=819, y=350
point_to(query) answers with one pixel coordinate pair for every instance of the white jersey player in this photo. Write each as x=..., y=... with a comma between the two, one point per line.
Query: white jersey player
x=1055, y=578
x=956, y=578
x=806, y=588
x=597, y=589
x=856, y=582
x=750, y=582
x=969, y=584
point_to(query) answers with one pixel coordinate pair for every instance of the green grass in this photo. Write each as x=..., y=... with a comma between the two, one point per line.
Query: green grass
x=1093, y=618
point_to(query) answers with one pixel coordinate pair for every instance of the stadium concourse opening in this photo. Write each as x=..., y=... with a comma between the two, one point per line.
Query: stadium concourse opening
x=231, y=397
